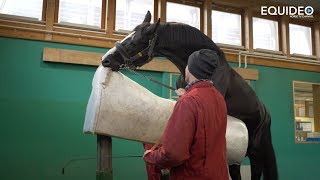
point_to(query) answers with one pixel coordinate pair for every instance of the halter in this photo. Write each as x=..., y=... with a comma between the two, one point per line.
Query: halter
x=128, y=60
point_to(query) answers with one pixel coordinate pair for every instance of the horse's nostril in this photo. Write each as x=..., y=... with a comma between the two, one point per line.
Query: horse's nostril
x=106, y=63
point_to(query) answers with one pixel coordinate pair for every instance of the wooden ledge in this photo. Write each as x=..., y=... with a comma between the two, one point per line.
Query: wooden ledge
x=94, y=59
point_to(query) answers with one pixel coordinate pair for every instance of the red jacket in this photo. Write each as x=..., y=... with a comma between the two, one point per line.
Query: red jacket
x=194, y=143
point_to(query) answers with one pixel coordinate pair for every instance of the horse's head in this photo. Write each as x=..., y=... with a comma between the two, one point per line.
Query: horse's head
x=134, y=50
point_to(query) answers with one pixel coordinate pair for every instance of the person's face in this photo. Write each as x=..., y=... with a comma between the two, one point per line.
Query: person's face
x=187, y=75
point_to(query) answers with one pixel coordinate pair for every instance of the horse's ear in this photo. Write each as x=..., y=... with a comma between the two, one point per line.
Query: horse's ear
x=147, y=18
x=153, y=28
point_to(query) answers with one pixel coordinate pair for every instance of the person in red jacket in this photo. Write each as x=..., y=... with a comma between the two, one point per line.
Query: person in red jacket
x=193, y=145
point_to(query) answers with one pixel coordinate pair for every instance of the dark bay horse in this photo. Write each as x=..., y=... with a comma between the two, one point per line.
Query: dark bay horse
x=176, y=42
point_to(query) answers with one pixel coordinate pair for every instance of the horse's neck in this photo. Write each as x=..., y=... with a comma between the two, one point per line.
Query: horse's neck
x=178, y=53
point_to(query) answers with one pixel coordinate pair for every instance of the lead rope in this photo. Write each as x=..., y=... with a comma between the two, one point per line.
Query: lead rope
x=150, y=79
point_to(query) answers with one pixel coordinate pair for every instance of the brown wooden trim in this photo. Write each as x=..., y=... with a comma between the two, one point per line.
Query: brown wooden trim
x=289, y=64
x=60, y=37
x=300, y=22
x=49, y=18
x=162, y=10
x=207, y=18
x=103, y=14
x=50, y=14
x=69, y=56
x=316, y=39
x=44, y=10
x=56, y=10
x=188, y=3
x=227, y=9
x=284, y=35
x=313, y=40
x=13, y=23
x=249, y=74
x=248, y=30
x=78, y=27
x=202, y=21
x=268, y=17
x=316, y=106
x=90, y=58
x=155, y=11
x=111, y=17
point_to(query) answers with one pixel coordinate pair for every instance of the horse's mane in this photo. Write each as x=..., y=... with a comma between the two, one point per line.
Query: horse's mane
x=185, y=34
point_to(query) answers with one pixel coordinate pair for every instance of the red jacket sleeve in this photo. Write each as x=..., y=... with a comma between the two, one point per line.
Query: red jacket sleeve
x=178, y=136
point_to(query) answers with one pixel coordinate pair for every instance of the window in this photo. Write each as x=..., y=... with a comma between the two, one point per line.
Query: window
x=84, y=12
x=226, y=28
x=184, y=14
x=265, y=34
x=30, y=8
x=130, y=13
x=306, y=105
x=300, y=39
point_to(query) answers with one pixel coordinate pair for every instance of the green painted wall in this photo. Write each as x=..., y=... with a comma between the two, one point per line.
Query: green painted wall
x=42, y=108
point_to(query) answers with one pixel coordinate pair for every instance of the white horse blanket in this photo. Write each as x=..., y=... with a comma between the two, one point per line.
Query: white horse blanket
x=120, y=107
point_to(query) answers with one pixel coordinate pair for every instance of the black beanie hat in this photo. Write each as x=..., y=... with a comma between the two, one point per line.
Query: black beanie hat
x=203, y=63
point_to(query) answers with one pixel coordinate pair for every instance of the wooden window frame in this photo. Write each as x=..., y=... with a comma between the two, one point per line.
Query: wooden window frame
x=272, y=18
x=232, y=10
x=197, y=4
x=313, y=43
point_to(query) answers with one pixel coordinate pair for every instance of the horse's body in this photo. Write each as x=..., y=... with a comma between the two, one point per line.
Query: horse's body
x=176, y=42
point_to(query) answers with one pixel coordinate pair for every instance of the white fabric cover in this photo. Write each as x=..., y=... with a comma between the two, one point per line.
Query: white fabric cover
x=120, y=107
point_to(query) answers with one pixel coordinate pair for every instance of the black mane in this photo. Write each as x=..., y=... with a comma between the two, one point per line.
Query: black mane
x=184, y=34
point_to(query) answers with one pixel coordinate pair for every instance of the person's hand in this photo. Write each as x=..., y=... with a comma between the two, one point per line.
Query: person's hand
x=180, y=91
x=146, y=152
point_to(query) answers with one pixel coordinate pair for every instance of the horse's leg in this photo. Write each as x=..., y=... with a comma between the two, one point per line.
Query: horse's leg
x=234, y=171
x=256, y=167
x=270, y=171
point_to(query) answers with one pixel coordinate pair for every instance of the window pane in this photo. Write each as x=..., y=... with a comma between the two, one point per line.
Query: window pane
x=184, y=14
x=300, y=39
x=86, y=12
x=30, y=8
x=226, y=28
x=130, y=13
x=306, y=102
x=265, y=34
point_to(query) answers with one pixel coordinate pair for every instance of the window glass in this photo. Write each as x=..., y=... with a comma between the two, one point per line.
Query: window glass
x=130, y=13
x=30, y=8
x=265, y=34
x=226, y=28
x=85, y=12
x=184, y=14
x=306, y=105
x=300, y=39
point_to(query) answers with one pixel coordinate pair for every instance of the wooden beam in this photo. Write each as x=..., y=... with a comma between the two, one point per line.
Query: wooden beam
x=50, y=18
x=104, y=14
x=274, y=62
x=316, y=106
x=284, y=35
x=90, y=58
x=111, y=17
x=44, y=10
x=56, y=10
x=162, y=10
x=104, y=158
x=207, y=21
x=248, y=30
x=316, y=39
x=70, y=56
x=249, y=74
